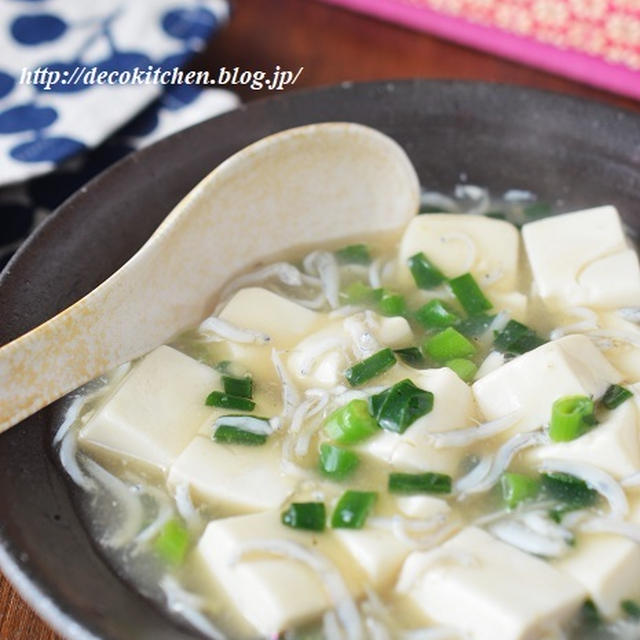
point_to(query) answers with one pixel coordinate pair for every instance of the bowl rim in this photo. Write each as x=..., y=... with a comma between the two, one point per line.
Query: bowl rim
x=50, y=610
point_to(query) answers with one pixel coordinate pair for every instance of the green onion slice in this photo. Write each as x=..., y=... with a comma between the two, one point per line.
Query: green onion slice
x=537, y=210
x=412, y=356
x=474, y=326
x=615, y=395
x=305, y=515
x=517, y=488
x=225, y=434
x=436, y=315
x=172, y=542
x=419, y=483
x=254, y=424
x=370, y=368
x=589, y=615
x=447, y=345
x=631, y=608
x=241, y=387
x=465, y=369
x=226, y=401
x=352, y=509
x=469, y=294
x=391, y=304
x=571, y=417
x=351, y=423
x=572, y=492
x=399, y=406
x=517, y=338
x=354, y=254
x=359, y=293
x=336, y=462
x=424, y=272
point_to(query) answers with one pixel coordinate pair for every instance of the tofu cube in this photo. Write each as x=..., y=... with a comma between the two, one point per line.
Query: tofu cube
x=458, y=243
x=514, y=302
x=422, y=507
x=285, y=322
x=613, y=445
x=273, y=593
x=582, y=259
x=607, y=566
x=489, y=589
x=322, y=358
x=236, y=478
x=393, y=332
x=624, y=353
x=378, y=553
x=532, y=382
x=453, y=408
x=155, y=412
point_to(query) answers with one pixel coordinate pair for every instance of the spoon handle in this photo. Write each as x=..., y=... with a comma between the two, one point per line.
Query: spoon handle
x=314, y=184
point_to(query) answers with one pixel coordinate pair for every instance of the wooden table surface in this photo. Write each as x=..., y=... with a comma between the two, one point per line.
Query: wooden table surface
x=332, y=45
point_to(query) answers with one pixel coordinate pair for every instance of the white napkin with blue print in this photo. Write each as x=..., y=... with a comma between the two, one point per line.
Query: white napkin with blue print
x=72, y=135
x=40, y=128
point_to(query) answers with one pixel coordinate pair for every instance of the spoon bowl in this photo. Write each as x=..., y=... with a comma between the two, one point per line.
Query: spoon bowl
x=311, y=184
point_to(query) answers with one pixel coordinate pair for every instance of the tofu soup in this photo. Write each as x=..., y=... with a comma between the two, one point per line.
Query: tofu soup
x=435, y=437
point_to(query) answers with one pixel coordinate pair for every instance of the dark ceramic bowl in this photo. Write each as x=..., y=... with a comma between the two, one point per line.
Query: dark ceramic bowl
x=570, y=152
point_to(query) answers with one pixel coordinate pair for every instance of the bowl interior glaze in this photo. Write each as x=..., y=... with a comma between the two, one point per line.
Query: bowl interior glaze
x=571, y=152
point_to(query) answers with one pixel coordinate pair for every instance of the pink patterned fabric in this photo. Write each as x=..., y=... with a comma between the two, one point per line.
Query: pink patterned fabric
x=594, y=41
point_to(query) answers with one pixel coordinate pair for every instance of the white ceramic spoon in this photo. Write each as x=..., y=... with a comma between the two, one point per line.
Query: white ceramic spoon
x=309, y=185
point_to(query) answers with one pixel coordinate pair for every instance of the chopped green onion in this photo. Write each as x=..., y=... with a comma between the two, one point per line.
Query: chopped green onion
x=254, y=424
x=370, y=368
x=336, y=462
x=469, y=294
x=359, y=293
x=517, y=338
x=351, y=423
x=517, y=488
x=419, y=483
x=352, y=509
x=615, y=395
x=425, y=273
x=428, y=208
x=573, y=492
x=537, y=210
x=391, y=304
x=172, y=542
x=435, y=315
x=447, y=345
x=226, y=401
x=571, y=416
x=399, y=406
x=241, y=387
x=354, y=254
x=631, y=608
x=305, y=515
x=412, y=356
x=589, y=615
x=474, y=326
x=223, y=366
x=465, y=369
x=226, y=434
x=233, y=369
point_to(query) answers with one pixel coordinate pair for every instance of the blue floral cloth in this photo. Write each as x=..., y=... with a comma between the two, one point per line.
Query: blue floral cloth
x=77, y=130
